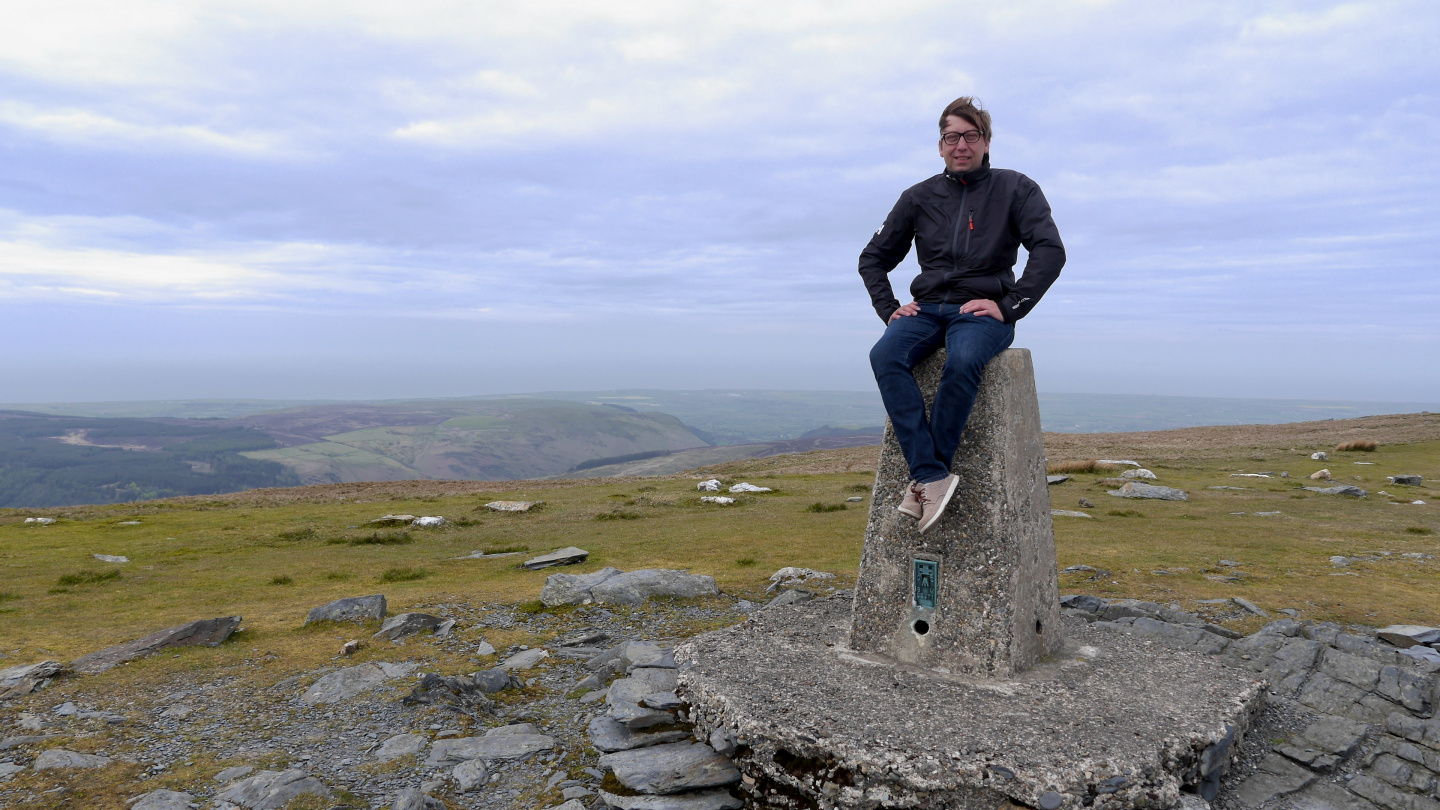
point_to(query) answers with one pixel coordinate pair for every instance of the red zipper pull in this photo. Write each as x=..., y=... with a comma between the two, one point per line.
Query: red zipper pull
x=972, y=221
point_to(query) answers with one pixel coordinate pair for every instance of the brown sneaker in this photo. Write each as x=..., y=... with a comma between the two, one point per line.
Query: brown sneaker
x=934, y=497
x=910, y=505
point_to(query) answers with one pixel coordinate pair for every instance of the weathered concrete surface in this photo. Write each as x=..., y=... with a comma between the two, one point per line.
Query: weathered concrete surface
x=997, y=610
x=209, y=632
x=1114, y=722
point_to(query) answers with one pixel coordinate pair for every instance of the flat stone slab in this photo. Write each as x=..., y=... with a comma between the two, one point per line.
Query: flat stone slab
x=511, y=506
x=164, y=800
x=698, y=800
x=565, y=556
x=816, y=720
x=492, y=746
x=671, y=768
x=272, y=790
x=351, y=681
x=1149, y=491
x=209, y=632
x=58, y=758
x=408, y=624
x=608, y=735
x=352, y=609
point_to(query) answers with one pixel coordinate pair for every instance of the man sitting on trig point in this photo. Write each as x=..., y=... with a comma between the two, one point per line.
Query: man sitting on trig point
x=967, y=224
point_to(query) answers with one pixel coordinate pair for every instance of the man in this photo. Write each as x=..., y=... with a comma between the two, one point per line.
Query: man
x=967, y=224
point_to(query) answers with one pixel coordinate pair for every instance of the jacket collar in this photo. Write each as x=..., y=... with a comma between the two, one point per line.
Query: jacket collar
x=971, y=178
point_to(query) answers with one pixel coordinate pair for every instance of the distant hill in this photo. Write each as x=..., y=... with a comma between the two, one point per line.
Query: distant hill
x=63, y=460
x=491, y=439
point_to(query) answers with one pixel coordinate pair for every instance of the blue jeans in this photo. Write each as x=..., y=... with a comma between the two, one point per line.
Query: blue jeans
x=970, y=342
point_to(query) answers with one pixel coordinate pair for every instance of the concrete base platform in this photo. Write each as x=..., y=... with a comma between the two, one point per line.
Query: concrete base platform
x=1111, y=722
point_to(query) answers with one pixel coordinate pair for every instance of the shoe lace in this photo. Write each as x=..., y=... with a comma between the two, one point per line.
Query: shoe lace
x=918, y=490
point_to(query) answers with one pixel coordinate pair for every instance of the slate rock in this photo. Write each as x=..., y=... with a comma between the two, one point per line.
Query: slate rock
x=164, y=800
x=351, y=681
x=26, y=678
x=1335, y=735
x=573, y=589
x=490, y=747
x=1134, y=490
x=458, y=692
x=791, y=597
x=25, y=739
x=272, y=790
x=1086, y=503
x=209, y=632
x=351, y=609
x=713, y=485
x=415, y=799
x=635, y=587
x=1178, y=635
x=662, y=701
x=1141, y=474
x=9, y=769
x=569, y=555
x=1343, y=489
x=401, y=745
x=671, y=768
x=1407, y=480
x=608, y=735
x=1081, y=601
x=470, y=775
x=642, y=653
x=744, y=486
x=231, y=774
x=526, y=659
x=1408, y=635
x=511, y=506
x=1052, y=480
x=492, y=680
x=698, y=800
x=407, y=624
x=59, y=758
x=1274, y=777
x=1067, y=513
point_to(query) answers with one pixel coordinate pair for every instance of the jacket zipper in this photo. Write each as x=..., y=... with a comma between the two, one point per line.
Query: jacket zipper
x=959, y=219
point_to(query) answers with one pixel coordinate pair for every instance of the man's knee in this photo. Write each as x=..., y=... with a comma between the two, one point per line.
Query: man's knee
x=886, y=355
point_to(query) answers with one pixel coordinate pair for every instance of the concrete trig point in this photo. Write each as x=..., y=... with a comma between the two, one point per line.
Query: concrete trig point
x=951, y=681
x=978, y=593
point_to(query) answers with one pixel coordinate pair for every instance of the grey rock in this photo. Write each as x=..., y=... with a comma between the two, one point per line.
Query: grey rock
x=9, y=769
x=1412, y=690
x=163, y=800
x=608, y=735
x=401, y=745
x=1085, y=602
x=407, y=624
x=1056, y=479
x=662, y=701
x=569, y=555
x=443, y=631
x=1408, y=635
x=1182, y=636
x=1248, y=606
x=512, y=506
x=1141, y=473
x=32, y=674
x=635, y=587
x=350, y=609
x=351, y=681
x=24, y=739
x=231, y=774
x=272, y=790
x=671, y=768
x=625, y=695
x=490, y=747
x=1274, y=777
x=492, y=680
x=1387, y=796
x=1351, y=669
x=575, y=792
x=1150, y=491
x=1422, y=654
x=1407, y=480
x=699, y=800
x=1085, y=503
x=573, y=804
x=1343, y=489
x=458, y=692
x=415, y=799
x=642, y=653
x=712, y=485
x=1067, y=513
x=526, y=659
x=58, y=758
x=209, y=632
x=470, y=775
x=794, y=596
x=573, y=589
x=1335, y=735
x=1328, y=796
x=1289, y=628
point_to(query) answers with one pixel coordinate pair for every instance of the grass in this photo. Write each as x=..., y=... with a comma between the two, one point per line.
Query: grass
x=619, y=514
x=1129, y=513
x=1418, y=530
x=821, y=506
x=1363, y=446
x=1080, y=467
x=403, y=574
x=297, y=534
x=186, y=551
x=88, y=577
x=283, y=579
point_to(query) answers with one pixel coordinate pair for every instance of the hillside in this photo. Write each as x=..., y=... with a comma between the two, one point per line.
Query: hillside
x=484, y=439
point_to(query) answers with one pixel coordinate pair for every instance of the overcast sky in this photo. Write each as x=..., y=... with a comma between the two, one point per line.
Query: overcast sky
x=381, y=199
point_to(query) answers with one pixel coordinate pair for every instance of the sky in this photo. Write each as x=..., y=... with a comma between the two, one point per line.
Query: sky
x=256, y=198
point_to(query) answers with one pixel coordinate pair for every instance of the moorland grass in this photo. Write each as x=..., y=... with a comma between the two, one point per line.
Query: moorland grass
x=204, y=557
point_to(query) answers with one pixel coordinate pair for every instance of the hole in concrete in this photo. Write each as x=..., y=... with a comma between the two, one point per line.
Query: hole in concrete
x=921, y=626
x=1039, y=629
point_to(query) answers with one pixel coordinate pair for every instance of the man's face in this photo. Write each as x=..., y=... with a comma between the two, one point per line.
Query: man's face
x=963, y=156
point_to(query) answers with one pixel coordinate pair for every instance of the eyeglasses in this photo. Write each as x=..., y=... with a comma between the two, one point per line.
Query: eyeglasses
x=952, y=138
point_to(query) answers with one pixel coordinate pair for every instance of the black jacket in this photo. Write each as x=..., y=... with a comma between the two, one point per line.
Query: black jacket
x=967, y=231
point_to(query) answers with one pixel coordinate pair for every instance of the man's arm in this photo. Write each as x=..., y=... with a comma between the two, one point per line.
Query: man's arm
x=1030, y=216
x=887, y=248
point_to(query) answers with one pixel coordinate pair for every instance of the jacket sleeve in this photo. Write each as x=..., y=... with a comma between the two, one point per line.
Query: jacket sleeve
x=1030, y=217
x=888, y=247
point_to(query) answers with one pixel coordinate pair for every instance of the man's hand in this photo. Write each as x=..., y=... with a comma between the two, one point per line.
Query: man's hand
x=909, y=309
x=983, y=306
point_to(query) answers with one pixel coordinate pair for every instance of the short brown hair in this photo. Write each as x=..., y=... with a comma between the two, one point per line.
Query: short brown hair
x=968, y=107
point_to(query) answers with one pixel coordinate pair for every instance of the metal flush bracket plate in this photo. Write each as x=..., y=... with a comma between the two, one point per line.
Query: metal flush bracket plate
x=927, y=583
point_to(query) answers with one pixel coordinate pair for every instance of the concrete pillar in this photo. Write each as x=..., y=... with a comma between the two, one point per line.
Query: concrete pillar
x=978, y=594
